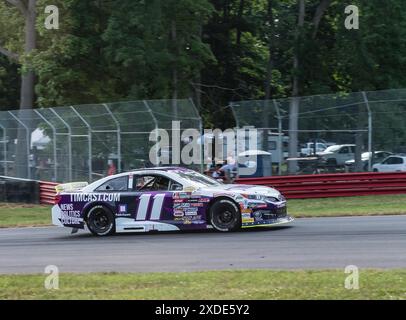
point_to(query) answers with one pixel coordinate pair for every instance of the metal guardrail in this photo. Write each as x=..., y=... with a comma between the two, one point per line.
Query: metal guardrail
x=307, y=186
x=334, y=185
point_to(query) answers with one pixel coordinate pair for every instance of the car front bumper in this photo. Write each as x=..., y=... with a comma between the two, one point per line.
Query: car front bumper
x=268, y=223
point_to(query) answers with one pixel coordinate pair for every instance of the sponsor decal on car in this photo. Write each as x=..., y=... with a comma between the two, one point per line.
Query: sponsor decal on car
x=68, y=220
x=257, y=205
x=187, y=221
x=92, y=197
x=181, y=195
x=198, y=221
x=258, y=216
x=197, y=204
x=178, y=200
x=130, y=181
x=181, y=205
x=178, y=213
x=201, y=199
x=122, y=208
x=190, y=213
x=70, y=216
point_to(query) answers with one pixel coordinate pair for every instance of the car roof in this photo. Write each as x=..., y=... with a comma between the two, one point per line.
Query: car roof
x=160, y=169
x=168, y=170
x=164, y=169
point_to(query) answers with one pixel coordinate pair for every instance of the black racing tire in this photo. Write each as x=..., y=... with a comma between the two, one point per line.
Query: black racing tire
x=100, y=221
x=225, y=215
x=376, y=170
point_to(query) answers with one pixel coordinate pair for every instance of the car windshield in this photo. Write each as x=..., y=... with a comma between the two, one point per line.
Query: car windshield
x=198, y=178
x=332, y=149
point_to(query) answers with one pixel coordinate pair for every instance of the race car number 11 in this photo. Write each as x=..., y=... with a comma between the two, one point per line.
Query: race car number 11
x=144, y=200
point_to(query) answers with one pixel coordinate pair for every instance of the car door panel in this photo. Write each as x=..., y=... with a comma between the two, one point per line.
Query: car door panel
x=153, y=205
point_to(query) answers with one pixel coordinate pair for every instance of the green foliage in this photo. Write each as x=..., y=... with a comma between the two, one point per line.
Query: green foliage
x=142, y=49
x=9, y=84
x=217, y=50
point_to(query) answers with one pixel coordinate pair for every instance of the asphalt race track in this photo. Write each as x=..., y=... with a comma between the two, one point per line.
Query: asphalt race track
x=373, y=242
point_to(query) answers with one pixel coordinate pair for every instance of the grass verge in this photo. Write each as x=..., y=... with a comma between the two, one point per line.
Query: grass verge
x=24, y=215
x=348, y=206
x=18, y=215
x=252, y=284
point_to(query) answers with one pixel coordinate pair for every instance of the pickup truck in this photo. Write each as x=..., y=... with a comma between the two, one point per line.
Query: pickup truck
x=335, y=156
x=309, y=148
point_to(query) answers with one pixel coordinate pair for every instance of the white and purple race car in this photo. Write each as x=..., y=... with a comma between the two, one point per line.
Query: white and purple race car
x=165, y=199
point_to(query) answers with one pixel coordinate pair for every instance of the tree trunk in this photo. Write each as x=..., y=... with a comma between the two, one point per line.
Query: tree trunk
x=239, y=21
x=359, y=141
x=197, y=86
x=294, y=106
x=321, y=9
x=26, y=95
x=174, y=74
x=268, y=81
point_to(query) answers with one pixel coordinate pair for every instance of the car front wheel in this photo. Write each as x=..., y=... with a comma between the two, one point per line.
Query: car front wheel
x=100, y=221
x=225, y=215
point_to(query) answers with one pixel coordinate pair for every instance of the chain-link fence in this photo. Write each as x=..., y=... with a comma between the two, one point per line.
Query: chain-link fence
x=359, y=130
x=86, y=142
x=325, y=133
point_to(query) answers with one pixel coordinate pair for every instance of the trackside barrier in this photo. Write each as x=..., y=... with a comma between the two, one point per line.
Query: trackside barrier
x=306, y=186
x=333, y=185
x=47, y=192
x=16, y=190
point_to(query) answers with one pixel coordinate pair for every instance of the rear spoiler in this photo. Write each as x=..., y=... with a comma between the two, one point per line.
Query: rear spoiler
x=72, y=186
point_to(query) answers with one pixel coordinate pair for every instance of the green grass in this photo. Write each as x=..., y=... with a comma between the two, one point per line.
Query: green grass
x=18, y=215
x=348, y=206
x=252, y=284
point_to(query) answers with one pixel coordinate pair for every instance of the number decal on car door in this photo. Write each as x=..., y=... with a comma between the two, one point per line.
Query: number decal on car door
x=157, y=200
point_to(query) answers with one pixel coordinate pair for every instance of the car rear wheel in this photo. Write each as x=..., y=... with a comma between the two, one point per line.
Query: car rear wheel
x=225, y=215
x=100, y=221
